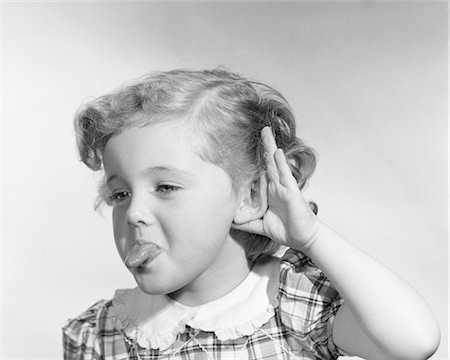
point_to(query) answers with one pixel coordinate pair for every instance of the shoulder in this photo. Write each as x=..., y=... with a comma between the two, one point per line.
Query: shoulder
x=308, y=304
x=300, y=277
x=88, y=320
x=82, y=335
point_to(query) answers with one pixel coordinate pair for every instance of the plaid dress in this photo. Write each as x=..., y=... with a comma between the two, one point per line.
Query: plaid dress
x=301, y=327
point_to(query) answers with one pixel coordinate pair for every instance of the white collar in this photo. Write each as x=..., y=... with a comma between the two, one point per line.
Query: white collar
x=154, y=321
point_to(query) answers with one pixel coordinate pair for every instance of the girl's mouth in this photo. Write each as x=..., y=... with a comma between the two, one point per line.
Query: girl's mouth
x=140, y=254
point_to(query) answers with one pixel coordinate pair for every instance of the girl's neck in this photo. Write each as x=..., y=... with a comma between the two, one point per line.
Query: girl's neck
x=228, y=272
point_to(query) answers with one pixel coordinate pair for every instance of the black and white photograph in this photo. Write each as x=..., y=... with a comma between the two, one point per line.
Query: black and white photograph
x=218, y=180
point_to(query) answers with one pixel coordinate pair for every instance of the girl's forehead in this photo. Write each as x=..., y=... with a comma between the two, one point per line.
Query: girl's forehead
x=158, y=151
x=157, y=142
x=166, y=134
x=183, y=126
x=141, y=125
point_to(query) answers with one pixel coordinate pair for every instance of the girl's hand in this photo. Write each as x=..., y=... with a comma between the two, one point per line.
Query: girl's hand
x=288, y=219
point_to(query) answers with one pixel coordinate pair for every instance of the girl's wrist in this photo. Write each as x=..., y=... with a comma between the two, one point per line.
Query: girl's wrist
x=304, y=245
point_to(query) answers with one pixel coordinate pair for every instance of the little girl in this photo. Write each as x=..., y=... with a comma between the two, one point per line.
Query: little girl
x=204, y=174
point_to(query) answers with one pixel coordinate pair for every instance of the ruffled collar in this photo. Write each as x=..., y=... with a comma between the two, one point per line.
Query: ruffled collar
x=154, y=321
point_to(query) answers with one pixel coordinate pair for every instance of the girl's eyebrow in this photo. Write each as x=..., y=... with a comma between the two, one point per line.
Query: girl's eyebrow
x=159, y=169
x=169, y=170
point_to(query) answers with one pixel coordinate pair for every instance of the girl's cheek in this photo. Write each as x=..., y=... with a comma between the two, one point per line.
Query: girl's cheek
x=120, y=229
x=119, y=215
x=122, y=245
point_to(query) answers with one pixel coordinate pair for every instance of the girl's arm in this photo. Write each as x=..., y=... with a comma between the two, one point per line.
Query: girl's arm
x=382, y=317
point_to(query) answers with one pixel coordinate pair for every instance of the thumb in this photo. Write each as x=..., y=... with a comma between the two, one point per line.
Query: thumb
x=254, y=227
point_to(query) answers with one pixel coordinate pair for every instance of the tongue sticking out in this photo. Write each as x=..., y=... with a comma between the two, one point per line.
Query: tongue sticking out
x=140, y=253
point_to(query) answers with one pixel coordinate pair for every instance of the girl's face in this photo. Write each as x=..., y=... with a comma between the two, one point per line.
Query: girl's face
x=172, y=212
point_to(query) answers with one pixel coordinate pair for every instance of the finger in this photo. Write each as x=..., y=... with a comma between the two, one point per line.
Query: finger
x=268, y=139
x=263, y=189
x=254, y=227
x=285, y=173
x=270, y=147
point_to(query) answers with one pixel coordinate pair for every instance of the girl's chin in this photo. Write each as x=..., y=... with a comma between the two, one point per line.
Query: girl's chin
x=151, y=286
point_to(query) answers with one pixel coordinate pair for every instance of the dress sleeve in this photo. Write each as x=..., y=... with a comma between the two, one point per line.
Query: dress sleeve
x=308, y=304
x=81, y=335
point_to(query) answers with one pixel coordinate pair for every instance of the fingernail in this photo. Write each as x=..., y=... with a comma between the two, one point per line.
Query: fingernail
x=266, y=129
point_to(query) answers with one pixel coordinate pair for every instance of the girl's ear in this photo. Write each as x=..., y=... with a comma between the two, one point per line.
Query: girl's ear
x=253, y=202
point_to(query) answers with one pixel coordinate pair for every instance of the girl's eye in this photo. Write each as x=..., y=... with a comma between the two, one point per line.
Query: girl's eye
x=119, y=196
x=166, y=189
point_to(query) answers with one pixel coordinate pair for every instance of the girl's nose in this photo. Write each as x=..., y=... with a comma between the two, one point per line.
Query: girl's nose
x=139, y=214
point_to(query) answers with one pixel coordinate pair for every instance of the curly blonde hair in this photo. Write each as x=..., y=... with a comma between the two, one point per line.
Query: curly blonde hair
x=228, y=110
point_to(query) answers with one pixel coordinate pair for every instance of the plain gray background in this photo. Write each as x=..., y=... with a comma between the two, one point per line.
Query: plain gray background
x=367, y=80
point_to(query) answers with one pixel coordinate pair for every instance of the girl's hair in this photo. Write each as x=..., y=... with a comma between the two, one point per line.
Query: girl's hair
x=228, y=110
